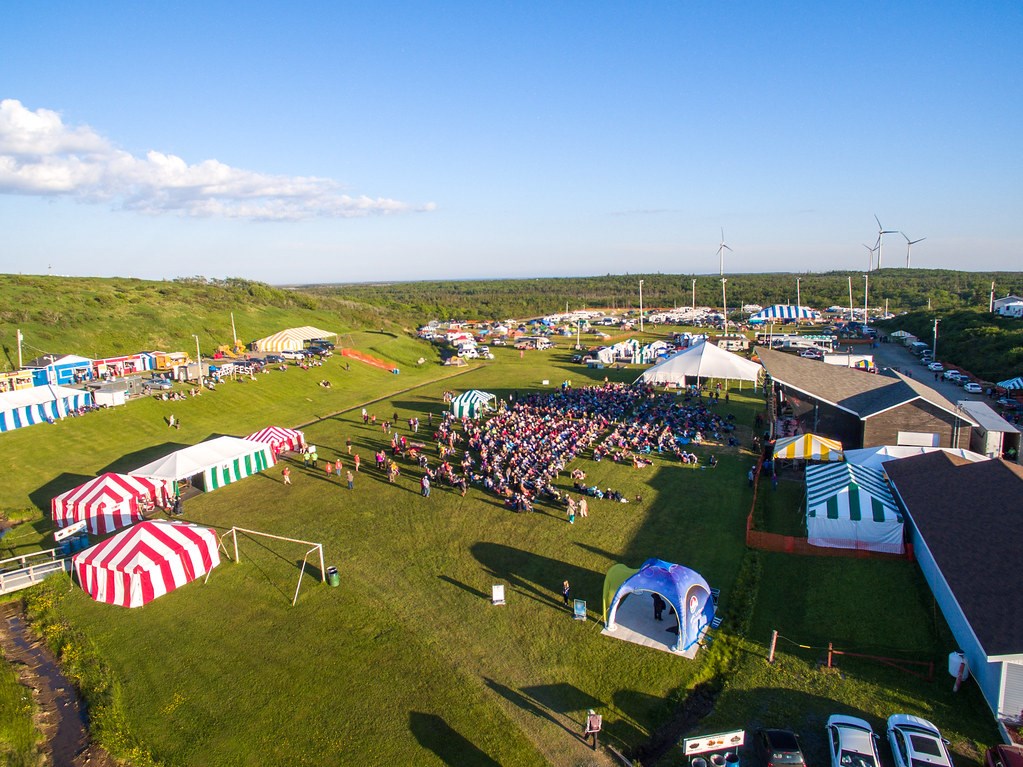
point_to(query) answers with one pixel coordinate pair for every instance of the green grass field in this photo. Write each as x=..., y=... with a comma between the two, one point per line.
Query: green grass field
x=407, y=662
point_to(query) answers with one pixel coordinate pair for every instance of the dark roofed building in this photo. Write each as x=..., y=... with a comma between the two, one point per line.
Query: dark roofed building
x=966, y=526
x=858, y=408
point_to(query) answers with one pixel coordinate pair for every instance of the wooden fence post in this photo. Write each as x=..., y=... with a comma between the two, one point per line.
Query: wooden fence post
x=830, y=650
x=774, y=643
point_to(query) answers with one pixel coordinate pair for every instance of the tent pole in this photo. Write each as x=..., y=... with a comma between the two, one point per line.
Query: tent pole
x=323, y=570
x=234, y=534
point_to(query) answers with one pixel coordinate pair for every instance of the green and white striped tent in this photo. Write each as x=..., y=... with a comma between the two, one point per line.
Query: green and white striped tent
x=851, y=507
x=211, y=464
x=472, y=403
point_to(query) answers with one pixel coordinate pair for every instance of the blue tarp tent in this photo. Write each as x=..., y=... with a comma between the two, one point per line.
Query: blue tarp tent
x=683, y=589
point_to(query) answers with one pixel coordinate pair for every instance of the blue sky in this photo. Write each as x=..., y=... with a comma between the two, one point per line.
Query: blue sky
x=322, y=142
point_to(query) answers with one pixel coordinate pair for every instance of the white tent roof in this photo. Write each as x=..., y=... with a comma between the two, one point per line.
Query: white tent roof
x=1012, y=383
x=198, y=458
x=704, y=360
x=37, y=395
x=292, y=338
x=876, y=457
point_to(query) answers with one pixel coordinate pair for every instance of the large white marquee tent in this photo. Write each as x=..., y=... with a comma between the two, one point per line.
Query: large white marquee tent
x=212, y=464
x=291, y=339
x=705, y=360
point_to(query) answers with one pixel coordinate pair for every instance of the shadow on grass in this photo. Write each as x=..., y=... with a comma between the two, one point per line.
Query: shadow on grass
x=528, y=704
x=525, y=571
x=131, y=461
x=464, y=587
x=63, y=482
x=449, y=745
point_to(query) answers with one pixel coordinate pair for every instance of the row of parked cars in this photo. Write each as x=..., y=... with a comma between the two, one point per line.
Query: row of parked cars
x=915, y=742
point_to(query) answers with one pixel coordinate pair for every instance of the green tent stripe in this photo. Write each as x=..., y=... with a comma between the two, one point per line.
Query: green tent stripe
x=855, y=513
x=248, y=465
x=833, y=507
x=879, y=510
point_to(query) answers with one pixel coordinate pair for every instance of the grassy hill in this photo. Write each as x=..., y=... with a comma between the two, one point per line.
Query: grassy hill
x=98, y=317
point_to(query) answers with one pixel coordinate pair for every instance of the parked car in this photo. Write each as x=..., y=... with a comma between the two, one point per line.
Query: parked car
x=916, y=742
x=256, y=361
x=468, y=353
x=778, y=748
x=949, y=374
x=157, y=383
x=1004, y=756
x=273, y=359
x=812, y=354
x=937, y=367
x=322, y=342
x=972, y=388
x=293, y=354
x=852, y=742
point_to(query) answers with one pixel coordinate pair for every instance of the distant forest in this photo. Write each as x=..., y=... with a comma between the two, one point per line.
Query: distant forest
x=904, y=289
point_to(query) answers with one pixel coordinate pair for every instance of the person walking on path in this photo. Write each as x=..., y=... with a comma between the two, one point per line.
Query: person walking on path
x=566, y=592
x=351, y=480
x=751, y=475
x=286, y=473
x=424, y=483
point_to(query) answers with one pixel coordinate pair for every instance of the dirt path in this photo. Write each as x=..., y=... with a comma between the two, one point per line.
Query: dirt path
x=61, y=715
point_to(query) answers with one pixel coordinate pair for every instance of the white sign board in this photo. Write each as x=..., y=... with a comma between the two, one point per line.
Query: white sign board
x=70, y=530
x=497, y=594
x=722, y=741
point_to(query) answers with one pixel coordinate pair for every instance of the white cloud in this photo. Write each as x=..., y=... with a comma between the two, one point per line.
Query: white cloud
x=40, y=155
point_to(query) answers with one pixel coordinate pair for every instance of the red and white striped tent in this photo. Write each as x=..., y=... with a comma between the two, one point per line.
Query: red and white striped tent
x=146, y=561
x=110, y=502
x=279, y=438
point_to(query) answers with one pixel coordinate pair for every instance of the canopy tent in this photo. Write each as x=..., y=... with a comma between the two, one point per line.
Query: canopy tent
x=472, y=403
x=876, y=457
x=808, y=447
x=683, y=590
x=214, y=463
x=785, y=313
x=40, y=404
x=146, y=561
x=704, y=360
x=900, y=334
x=109, y=502
x=851, y=507
x=291, y=338
x=1012, y=383
x=279, y=439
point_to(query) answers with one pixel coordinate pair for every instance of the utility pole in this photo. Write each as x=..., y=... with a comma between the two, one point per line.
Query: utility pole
x=694, y=294
x=798, y=301
x=934, y=348
x=20, y=339
x=198, y=358
x=234, y=333
x=724, y=303
x=991, y=303
x=866, y=290
x=641, y=306
x=850, y=299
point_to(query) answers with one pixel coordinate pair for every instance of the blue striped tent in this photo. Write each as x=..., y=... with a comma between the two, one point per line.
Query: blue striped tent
x=785, y=313
x=851, y=507
x=39, y=404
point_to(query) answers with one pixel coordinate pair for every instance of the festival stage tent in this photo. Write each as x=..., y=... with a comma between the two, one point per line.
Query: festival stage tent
x=684, y=590
x=1012, y=383
x=40, y=404
x=785, y=313
x=851, y=507
x=279, y=439
x=211, y=464
x=110, y=502
x=876, y=457
x=808, y=447
x=146, y=561
x=292, y=338
x=705, y=360
x=472, y=403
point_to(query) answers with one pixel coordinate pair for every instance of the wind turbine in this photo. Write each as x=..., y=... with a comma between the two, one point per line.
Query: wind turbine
x=909, y=244
x=881, y=232
x=870, y=256
x=721, y=252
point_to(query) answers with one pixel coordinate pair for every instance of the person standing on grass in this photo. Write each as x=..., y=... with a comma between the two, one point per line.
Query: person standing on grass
x=348, y=443
x=286, y=473
x=584, y=509
x=337, y=468
x=357, y=461
x=571, y=510
x=351, y=480
x=424, y=483
x=330, y=470
x=566, y=592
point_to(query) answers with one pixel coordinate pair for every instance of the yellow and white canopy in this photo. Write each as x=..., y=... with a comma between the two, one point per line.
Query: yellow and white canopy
x=808, y=447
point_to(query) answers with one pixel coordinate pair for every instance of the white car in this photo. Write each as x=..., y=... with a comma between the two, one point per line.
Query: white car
x=972, y=388
x=916, y=742
x=852, y=743
x=291, y=354
x=468, y=353
x=937, y=367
